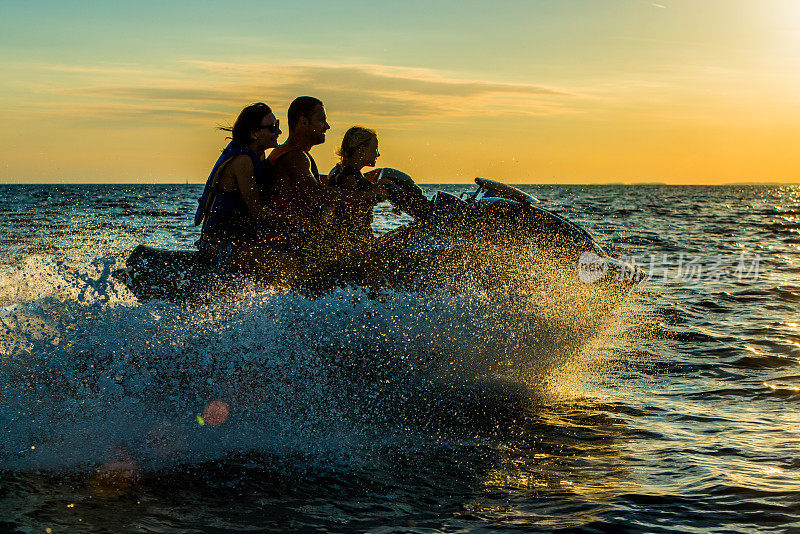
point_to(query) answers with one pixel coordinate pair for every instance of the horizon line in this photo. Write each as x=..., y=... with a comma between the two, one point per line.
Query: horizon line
x=770, y=183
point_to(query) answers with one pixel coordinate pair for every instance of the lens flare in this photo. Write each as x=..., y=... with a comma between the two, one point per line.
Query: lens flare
x=215, y=413
x=116, y=476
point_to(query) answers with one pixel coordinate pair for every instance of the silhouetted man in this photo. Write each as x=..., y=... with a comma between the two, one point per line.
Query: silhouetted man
x=298, y=191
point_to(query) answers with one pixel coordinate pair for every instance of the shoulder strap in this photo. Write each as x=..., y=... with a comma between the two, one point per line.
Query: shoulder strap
x=281, y=150
x=313, y=166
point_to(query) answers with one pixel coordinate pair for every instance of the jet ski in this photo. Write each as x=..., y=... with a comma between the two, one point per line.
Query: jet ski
x=495, y=234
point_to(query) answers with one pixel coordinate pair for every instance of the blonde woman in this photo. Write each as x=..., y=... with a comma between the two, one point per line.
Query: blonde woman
x=359, y=149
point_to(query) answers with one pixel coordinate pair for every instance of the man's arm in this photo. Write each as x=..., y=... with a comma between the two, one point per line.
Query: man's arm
x=298, y=166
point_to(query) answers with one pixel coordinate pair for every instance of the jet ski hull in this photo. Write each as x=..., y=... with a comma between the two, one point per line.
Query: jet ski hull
x=501, y=233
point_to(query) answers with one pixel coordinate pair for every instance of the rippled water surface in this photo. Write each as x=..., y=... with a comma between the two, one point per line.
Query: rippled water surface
x=467, y=410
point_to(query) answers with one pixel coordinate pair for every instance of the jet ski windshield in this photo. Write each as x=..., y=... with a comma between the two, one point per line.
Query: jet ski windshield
x=492, y=189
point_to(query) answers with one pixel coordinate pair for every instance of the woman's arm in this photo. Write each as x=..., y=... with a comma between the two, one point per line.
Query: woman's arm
x=241, y=167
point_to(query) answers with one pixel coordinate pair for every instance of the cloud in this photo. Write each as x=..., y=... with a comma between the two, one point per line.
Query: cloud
x=156, y=93
x=364, y=76
x=104, y=70
x=107, y=113
x=389, y=94
x=395, y=92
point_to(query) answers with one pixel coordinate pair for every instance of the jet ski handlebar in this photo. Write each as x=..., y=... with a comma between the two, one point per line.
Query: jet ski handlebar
x=404, y=194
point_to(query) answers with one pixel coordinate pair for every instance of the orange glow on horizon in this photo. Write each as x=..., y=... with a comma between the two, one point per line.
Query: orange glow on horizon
x=676, y=92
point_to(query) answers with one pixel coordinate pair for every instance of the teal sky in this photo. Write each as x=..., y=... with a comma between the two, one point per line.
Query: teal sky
x=501, y=38
x=540, y=83
x=146, y=30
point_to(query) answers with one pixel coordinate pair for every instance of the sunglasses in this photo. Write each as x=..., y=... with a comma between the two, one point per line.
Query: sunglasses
x=274, y=127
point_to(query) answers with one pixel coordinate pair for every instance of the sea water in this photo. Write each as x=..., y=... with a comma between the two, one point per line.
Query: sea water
x=472, y=408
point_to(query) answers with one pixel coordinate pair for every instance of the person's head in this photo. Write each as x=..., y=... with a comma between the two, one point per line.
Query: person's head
x=307, y=120
x=359, y=147
x=256, y=125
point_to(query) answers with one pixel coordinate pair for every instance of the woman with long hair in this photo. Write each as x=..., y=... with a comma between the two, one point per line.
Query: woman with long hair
x=234, y=215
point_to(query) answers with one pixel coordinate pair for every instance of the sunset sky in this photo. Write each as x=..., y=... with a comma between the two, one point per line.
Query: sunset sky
x=529, y=91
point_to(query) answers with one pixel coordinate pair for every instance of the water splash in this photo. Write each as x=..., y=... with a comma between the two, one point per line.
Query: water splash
x=90, y=378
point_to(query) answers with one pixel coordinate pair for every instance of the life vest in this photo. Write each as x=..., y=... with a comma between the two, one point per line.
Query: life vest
x=339, y=172
x=223, y=212
x=356, y=220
